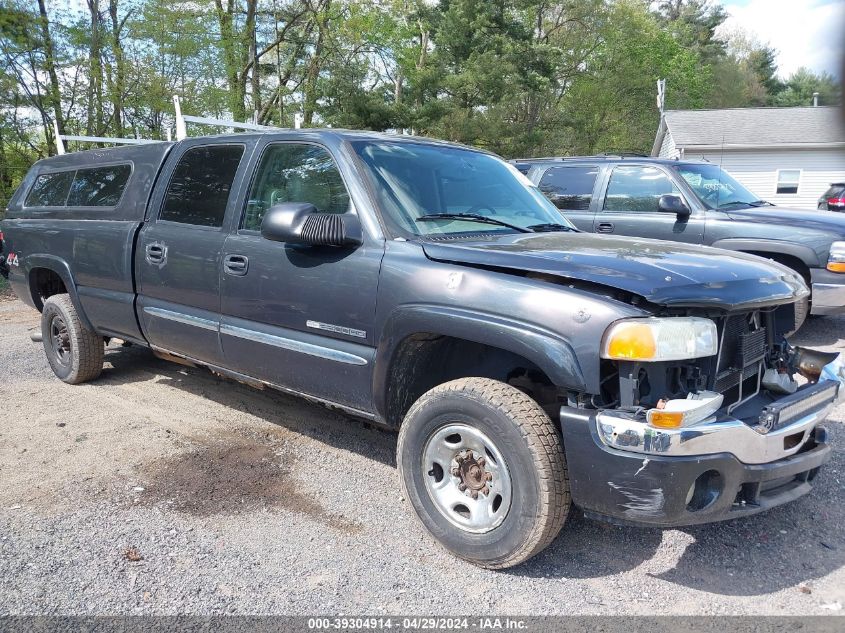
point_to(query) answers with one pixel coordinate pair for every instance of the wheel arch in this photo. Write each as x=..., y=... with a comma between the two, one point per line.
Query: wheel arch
x=772, y=249
x=42, y=272
x=418, y=343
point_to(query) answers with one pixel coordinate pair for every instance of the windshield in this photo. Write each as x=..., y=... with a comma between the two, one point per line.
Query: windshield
x=715, y=187
x=416, y=181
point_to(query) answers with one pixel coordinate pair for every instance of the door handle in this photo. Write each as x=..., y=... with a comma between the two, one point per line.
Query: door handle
x=605, y=227
x=156, y=253
x=236, y=265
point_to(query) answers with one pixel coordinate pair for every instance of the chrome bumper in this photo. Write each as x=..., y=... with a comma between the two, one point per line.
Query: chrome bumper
x=828, y=299
x=828, y=292
x=722, y=434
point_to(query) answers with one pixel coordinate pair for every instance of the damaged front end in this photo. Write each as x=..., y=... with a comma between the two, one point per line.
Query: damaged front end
x=701, y=417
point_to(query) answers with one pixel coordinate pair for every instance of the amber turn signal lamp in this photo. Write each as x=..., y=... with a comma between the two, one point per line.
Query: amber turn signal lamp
x=666, y=419
x=633, y=341
x=836, y=267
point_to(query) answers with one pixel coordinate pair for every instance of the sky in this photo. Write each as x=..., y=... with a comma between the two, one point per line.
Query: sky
x=804, y=32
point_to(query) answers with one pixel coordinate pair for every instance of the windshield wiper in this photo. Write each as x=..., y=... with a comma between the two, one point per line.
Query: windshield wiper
x=550, y=227
x=761, y=203
x=470, y=217
x=734, y=203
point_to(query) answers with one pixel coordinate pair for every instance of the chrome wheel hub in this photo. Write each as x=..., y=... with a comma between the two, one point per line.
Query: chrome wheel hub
x=466, y=477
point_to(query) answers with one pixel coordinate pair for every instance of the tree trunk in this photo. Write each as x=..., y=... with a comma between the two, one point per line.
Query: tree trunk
x=55, y=95
x=95, y=79
x=310, y=101
x=118, y=87
x=229, y=41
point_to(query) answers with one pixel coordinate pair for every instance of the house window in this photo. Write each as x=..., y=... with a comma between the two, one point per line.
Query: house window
x=788, y=180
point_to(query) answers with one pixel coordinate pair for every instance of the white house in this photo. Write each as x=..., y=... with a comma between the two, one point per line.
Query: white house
x=788, y=156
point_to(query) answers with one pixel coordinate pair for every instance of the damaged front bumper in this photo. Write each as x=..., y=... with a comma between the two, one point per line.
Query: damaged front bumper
x=625, y=471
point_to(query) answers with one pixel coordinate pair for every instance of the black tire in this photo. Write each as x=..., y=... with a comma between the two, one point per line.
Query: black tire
x=75, y=353
x=802, y=311
x=531, y=447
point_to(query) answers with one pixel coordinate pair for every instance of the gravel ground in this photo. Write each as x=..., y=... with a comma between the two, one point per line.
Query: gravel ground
x=162, y=489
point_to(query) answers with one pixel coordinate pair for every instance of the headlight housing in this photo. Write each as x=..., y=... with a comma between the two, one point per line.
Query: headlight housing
x=660, y=339
x=836, y=259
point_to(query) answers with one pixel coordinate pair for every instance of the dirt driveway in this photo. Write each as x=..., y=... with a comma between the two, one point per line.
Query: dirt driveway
x=163, y=489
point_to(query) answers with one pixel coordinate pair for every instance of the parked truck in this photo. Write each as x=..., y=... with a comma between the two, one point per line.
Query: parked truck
x=697, y=202
x=432, y=289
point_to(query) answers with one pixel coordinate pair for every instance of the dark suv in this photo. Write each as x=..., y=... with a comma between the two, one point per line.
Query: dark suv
x=699, y=203
x=834, y=198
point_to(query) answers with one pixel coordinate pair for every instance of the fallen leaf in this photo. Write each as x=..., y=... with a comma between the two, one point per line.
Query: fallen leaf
x=132, y=554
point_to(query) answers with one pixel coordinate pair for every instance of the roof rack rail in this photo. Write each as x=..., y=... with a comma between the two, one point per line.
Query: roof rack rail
x=181, y=129
x=61, y=138
x=623, y=155
x=550, y=159
x=183, y=119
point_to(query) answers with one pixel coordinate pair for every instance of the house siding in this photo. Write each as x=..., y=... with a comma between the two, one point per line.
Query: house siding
x=757, y=170
x=667, y=147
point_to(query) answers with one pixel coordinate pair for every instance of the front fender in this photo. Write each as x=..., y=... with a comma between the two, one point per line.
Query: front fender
x=775, y=247
x=62, y=269
x=551, y=353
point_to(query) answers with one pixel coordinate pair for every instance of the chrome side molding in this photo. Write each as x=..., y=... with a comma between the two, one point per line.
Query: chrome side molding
x=180, y=317
x=292, y=345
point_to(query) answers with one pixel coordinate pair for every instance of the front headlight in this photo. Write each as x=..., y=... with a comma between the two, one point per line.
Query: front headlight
x=658, y=339
x=836, y=259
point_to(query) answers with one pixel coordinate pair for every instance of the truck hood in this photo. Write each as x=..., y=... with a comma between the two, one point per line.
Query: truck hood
x=831, y=223
x=664, y=273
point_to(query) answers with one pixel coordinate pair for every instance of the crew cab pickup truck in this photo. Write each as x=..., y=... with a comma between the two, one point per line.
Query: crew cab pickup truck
x=430, y=288
x=697, y=202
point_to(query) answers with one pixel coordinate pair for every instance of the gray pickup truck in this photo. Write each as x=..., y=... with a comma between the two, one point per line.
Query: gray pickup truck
x=430, y=288
x=697, y=202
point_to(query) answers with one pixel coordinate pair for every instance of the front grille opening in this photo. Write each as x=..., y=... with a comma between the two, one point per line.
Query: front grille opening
x=791, y=441
x=748, y=495
x=705, y=490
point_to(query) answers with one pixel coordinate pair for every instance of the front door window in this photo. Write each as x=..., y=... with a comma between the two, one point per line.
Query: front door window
x=295, y=172
x=637, y=189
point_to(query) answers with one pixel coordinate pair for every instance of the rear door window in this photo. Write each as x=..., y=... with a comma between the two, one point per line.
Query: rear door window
x=637, y=189
x=199, y=188
x=570, y=188
x=98, y=187
x=50, y=190
x=835, y=191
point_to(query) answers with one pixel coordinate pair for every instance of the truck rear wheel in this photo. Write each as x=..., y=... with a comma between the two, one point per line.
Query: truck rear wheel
x=484, y=469
x=75, y=353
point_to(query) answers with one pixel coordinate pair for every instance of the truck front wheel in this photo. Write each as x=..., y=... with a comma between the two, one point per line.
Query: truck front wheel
x=75, y=353
x=484, y=469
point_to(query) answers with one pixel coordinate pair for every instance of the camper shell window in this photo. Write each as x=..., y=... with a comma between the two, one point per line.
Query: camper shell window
x=89, y=187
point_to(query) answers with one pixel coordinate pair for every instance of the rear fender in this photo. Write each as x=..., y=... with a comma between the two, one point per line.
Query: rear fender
x=62, y=269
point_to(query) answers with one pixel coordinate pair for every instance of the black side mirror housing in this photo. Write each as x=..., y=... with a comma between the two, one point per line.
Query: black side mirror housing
x=670, y=203
x=302, y=223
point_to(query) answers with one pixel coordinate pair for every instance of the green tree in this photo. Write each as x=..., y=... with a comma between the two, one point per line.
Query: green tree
x=694, y=24
x=613, y=106
x=799, y=88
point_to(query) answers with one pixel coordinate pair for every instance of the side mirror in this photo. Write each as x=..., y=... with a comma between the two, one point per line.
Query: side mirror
x=301, y=223
x=670, y=203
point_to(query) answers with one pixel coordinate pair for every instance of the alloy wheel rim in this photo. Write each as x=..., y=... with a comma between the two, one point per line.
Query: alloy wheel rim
x=60, y=340
x=467, y=478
